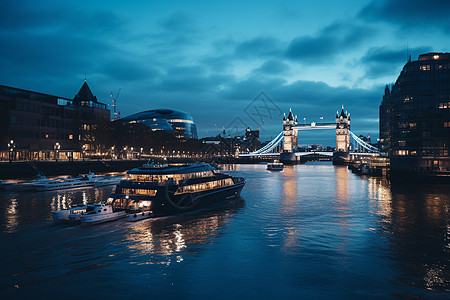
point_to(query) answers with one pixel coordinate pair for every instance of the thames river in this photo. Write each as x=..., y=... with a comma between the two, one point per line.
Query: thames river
x=312, y=231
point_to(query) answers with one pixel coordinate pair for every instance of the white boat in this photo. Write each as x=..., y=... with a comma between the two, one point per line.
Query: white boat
x=106, y=180
x=275, y=166
x=138, y=210
x=64, y=214
x=100, y=213
x=8, y=186
x=44, y=184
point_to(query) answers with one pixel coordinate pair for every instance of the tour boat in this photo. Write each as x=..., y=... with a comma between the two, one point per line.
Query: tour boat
x=275, y=166
x=159, y=190
x=44, y=184
x=100, y=213
x=64, y=214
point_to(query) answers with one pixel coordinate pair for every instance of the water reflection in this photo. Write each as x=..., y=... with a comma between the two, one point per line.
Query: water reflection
x=420, y=234
x=163, y=238
x=18, y=209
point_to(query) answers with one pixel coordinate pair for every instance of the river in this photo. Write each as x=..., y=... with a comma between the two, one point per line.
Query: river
x=312, y=231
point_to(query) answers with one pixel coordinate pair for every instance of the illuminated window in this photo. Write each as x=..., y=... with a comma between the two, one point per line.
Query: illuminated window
x=70, y=136
x=425, y=67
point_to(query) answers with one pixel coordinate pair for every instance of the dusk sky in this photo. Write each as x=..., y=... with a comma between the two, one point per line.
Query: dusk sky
x=211, y=59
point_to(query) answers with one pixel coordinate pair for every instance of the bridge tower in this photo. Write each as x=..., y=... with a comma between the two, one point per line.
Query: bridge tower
x=342, y=137
x=342, y=131
x=290, y=138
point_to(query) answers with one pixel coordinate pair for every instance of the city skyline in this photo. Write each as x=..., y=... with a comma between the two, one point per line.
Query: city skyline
x=206, y=58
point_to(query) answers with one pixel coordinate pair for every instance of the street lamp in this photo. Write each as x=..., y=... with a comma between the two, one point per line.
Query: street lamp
x=11, y=147
x=57, y=147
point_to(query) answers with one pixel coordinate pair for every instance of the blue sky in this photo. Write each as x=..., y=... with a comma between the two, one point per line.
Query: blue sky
x=212, y=59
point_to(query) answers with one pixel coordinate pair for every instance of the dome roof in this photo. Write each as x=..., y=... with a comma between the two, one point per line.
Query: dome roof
x=180, y=122
x=158, y=113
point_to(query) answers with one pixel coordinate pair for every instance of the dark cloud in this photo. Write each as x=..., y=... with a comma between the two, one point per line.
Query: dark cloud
x=258, y=47
x=409, y=13
x=178, y=22
x=382, y=61
x=273, y=67
x=332, y=41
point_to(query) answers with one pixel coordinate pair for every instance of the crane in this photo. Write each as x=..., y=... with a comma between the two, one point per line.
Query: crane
x=116, y=114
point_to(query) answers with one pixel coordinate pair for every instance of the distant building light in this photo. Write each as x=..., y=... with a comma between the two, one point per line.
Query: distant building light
x=436, y=56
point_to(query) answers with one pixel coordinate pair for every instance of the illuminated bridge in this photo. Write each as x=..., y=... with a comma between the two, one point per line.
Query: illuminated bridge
x=285, y=143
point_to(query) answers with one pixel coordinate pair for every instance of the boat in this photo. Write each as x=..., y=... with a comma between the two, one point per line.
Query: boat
x=106, y=180
x=275, y=166
x=155, y=190
x=100, y=213
x=44, y=184
x=8, y=186
x=64, y=214
x=364, y=169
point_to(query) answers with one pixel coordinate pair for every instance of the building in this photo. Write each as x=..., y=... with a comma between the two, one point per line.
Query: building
x=36, y=126
x=180, y=123
x=415, y=117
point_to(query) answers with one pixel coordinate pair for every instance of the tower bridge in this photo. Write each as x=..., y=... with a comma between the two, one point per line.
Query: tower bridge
x=287, y=140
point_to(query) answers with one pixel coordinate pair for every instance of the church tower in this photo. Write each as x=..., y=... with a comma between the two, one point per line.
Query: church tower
x=342, y=131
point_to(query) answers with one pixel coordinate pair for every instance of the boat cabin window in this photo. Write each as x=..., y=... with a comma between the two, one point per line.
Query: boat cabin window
x=204, y=186
x=176, y=178
x=139, y=192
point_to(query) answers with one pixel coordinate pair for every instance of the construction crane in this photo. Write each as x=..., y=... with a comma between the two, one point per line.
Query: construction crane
x=116, y=114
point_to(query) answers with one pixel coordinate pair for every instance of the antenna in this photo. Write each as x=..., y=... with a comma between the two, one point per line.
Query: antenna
x=116, y=114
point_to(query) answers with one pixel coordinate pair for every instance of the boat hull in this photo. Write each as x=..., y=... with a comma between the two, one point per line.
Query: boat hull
x=88, y=220
x=165, y=203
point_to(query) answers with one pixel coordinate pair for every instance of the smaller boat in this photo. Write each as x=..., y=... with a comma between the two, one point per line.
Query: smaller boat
x=44, y=184
x=64, y=214
x=100, y=213
x=364, y=169
x=105, y=180
x=275, y=166
x=139, y=209
x=8, y=186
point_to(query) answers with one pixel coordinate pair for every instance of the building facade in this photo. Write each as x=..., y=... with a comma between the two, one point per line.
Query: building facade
x=415, y=117
x=180, y=123
x=32, y=123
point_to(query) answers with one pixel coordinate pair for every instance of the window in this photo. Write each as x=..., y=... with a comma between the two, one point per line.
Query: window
x=425, y=67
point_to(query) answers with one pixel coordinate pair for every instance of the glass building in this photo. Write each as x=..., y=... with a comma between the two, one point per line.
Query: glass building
x=415, y=117
x=180, y=123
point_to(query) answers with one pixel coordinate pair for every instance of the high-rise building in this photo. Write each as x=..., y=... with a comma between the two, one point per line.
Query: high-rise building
x=415, y=117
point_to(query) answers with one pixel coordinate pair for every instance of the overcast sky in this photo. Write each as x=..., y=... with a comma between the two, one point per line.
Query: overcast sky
x=229, y=64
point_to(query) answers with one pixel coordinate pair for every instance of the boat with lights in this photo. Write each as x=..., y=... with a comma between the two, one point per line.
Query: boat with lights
x=99, y=213
x=159, y=189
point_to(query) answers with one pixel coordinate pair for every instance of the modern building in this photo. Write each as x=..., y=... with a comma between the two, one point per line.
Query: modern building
x=34, y=125
x=415, y=117
x=180, y=123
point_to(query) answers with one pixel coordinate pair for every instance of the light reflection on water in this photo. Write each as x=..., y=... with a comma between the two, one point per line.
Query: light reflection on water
x=312, y=230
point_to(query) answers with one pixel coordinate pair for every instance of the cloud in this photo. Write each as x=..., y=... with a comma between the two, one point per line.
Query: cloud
x=259, y=47
x=272, y=67
x=382, y=61
x=332, y=41
x=409, y=13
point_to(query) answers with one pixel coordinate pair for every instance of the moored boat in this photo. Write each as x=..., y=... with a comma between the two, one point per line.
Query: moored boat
x=100, y=213
x=275, y=166
x=64, y=214
x=160, y=190
x=44, y=184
